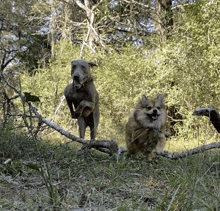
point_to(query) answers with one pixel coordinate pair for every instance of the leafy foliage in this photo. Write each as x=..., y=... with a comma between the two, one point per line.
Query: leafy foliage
x=22, y=41
x=185, y=69
x=31, y=98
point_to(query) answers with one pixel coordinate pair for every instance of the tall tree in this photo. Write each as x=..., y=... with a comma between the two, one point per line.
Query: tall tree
x=22, y=36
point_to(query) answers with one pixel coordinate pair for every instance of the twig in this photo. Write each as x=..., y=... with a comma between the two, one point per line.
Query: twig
x=59, y=106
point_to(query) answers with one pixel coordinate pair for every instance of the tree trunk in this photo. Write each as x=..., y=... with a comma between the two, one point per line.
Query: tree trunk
x=165, y=18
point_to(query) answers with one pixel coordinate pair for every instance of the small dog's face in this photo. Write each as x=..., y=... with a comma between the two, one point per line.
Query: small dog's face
x=152, y=108
x=80, y=72
x=151, y=113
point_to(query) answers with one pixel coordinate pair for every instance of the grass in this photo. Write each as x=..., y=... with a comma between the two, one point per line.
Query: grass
x=94, y=181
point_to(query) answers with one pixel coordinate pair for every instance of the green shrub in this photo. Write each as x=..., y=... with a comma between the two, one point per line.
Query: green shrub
x=185, y=69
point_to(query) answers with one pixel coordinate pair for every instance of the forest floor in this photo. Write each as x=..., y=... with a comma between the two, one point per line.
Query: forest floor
x=41, y=176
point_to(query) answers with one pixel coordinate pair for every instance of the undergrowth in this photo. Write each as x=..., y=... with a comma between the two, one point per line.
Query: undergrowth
x=94, y=181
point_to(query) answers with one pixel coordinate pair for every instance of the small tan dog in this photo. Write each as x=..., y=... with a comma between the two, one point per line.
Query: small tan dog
x=145, y=130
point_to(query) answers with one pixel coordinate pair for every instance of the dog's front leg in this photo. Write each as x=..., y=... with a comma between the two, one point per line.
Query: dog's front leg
x=81, y=111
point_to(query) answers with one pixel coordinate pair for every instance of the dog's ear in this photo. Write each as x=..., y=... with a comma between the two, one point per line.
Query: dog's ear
x=144, y=100
x=161, y=99
x=92, y=64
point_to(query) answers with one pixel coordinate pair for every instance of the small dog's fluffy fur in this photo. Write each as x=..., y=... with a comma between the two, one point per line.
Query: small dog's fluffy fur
x=145, y=130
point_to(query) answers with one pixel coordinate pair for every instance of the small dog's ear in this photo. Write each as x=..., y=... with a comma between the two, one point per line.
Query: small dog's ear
x=161, y=99
x=92, y=64
x=144, y=100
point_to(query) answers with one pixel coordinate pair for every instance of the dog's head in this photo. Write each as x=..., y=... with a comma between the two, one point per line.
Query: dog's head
x=150, y=113
x=80, y=72
x=154, y=107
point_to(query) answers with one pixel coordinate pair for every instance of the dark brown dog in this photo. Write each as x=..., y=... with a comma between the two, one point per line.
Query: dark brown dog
x=84, y=96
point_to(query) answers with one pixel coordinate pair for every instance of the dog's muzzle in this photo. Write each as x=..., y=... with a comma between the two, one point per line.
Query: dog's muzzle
x=78, y=83
x=77, y=86
x=153, y=115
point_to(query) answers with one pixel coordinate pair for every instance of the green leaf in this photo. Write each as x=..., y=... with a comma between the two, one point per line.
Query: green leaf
x=31, y=98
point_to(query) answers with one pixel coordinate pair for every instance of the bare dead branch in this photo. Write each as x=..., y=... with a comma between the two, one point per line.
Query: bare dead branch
x=58, y=128
x=197, y=150
x=92, y=36
x=179, y=155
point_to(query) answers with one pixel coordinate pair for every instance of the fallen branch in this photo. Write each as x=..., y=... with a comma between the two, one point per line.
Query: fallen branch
x=57, y=127
x=109, y=147
x=197, y=150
